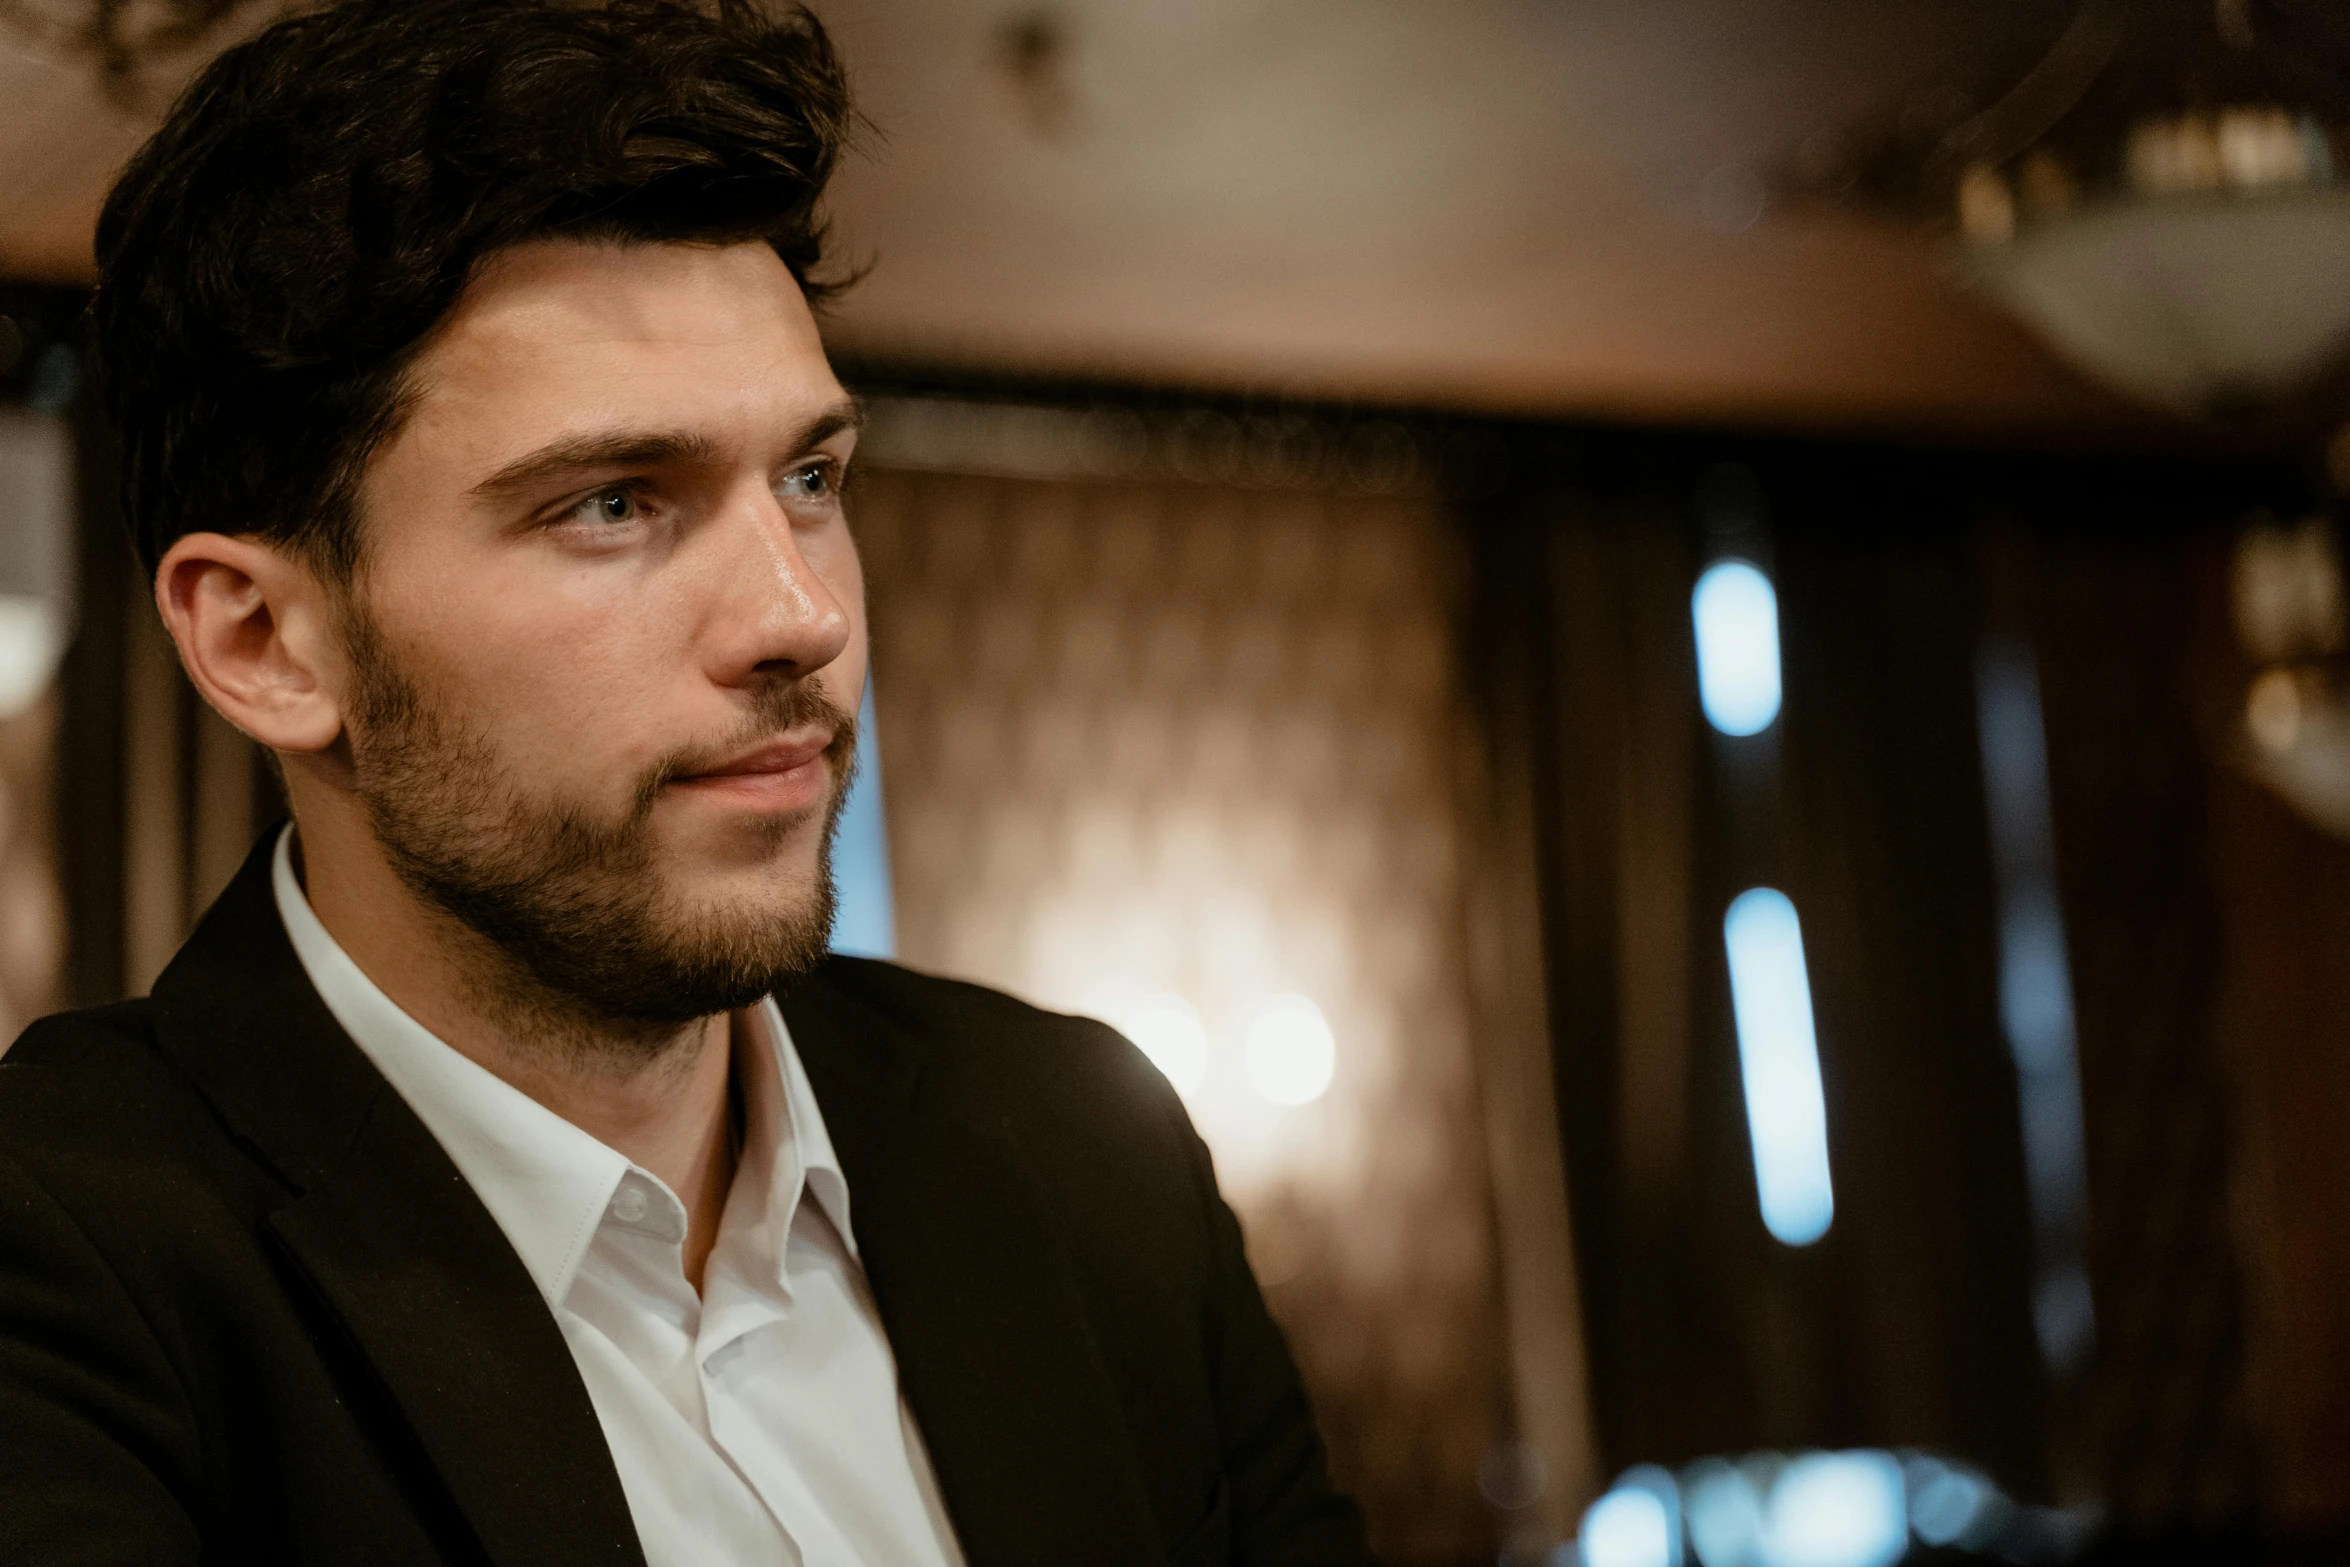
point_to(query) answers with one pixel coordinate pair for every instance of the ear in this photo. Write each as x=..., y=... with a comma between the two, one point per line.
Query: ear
x=255, y=632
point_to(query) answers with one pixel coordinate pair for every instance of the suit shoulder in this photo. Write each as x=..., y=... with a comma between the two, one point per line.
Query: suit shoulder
x=1097, y=1124
x=88, y=1047
x=931, y=1005
x=1020, y=1049
x=94, y=1079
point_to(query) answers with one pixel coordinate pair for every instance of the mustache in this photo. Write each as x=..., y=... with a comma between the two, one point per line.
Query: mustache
x=776, y=709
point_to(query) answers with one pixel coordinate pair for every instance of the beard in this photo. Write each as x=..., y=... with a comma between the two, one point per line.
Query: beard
x=592, y=937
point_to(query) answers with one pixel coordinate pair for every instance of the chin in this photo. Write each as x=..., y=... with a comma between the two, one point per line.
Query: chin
x=782, y=879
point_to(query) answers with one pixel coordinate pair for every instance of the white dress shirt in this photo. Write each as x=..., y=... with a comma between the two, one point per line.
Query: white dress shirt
x=758, y=1422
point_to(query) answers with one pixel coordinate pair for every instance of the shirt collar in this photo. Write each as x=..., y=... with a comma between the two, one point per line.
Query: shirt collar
x=778, y=1061
x=547, y=1183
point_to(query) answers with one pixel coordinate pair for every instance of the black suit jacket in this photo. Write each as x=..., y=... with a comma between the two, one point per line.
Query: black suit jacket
x=250, y=1312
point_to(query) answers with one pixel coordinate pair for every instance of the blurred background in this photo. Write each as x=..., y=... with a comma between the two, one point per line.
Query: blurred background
x=1684, y=662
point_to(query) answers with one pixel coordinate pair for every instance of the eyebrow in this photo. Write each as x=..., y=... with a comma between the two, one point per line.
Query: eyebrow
x=645, y=449
x=846, y=415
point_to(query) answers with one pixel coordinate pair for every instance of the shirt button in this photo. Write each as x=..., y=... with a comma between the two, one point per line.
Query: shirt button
x=629, y=1206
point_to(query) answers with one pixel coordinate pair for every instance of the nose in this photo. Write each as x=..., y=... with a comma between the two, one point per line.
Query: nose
x=776, y=614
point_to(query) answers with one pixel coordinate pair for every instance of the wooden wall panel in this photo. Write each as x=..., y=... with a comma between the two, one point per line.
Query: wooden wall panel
x=1145, y=737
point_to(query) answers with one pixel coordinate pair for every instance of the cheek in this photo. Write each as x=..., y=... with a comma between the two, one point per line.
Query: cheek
x=560, y=674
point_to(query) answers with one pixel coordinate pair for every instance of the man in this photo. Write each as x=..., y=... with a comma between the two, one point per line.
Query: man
x=462, y=1193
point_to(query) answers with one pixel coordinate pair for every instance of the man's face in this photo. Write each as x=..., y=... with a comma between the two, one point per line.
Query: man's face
x=608, y=638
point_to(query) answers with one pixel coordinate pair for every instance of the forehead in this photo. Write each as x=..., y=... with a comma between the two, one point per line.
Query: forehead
x=555, y=335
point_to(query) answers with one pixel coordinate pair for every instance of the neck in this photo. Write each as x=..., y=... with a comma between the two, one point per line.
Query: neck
x=660, y=1095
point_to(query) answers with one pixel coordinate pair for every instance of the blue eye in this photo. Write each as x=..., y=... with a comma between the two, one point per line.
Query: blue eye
x=813, y=482
x=613, y=505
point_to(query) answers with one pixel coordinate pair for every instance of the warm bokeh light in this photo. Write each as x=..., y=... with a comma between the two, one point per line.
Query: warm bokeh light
x=2272, y=709
x=1169, y=1031
x=36, y=553
x=1289, y=1052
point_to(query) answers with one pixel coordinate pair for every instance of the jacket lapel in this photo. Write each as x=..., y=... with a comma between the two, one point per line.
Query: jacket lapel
x=395, y=1243
x=994, y=1350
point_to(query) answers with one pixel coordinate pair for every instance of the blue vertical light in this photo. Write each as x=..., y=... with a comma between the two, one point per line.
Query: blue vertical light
x=1779, y=1064
x=863, y=923
x=1735, y=612
x=2036, y=994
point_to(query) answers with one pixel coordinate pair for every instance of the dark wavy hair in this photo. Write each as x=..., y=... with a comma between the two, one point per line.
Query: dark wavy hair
x=315, y=202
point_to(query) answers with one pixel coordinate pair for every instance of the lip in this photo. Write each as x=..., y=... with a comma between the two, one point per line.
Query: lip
x=788, y=773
